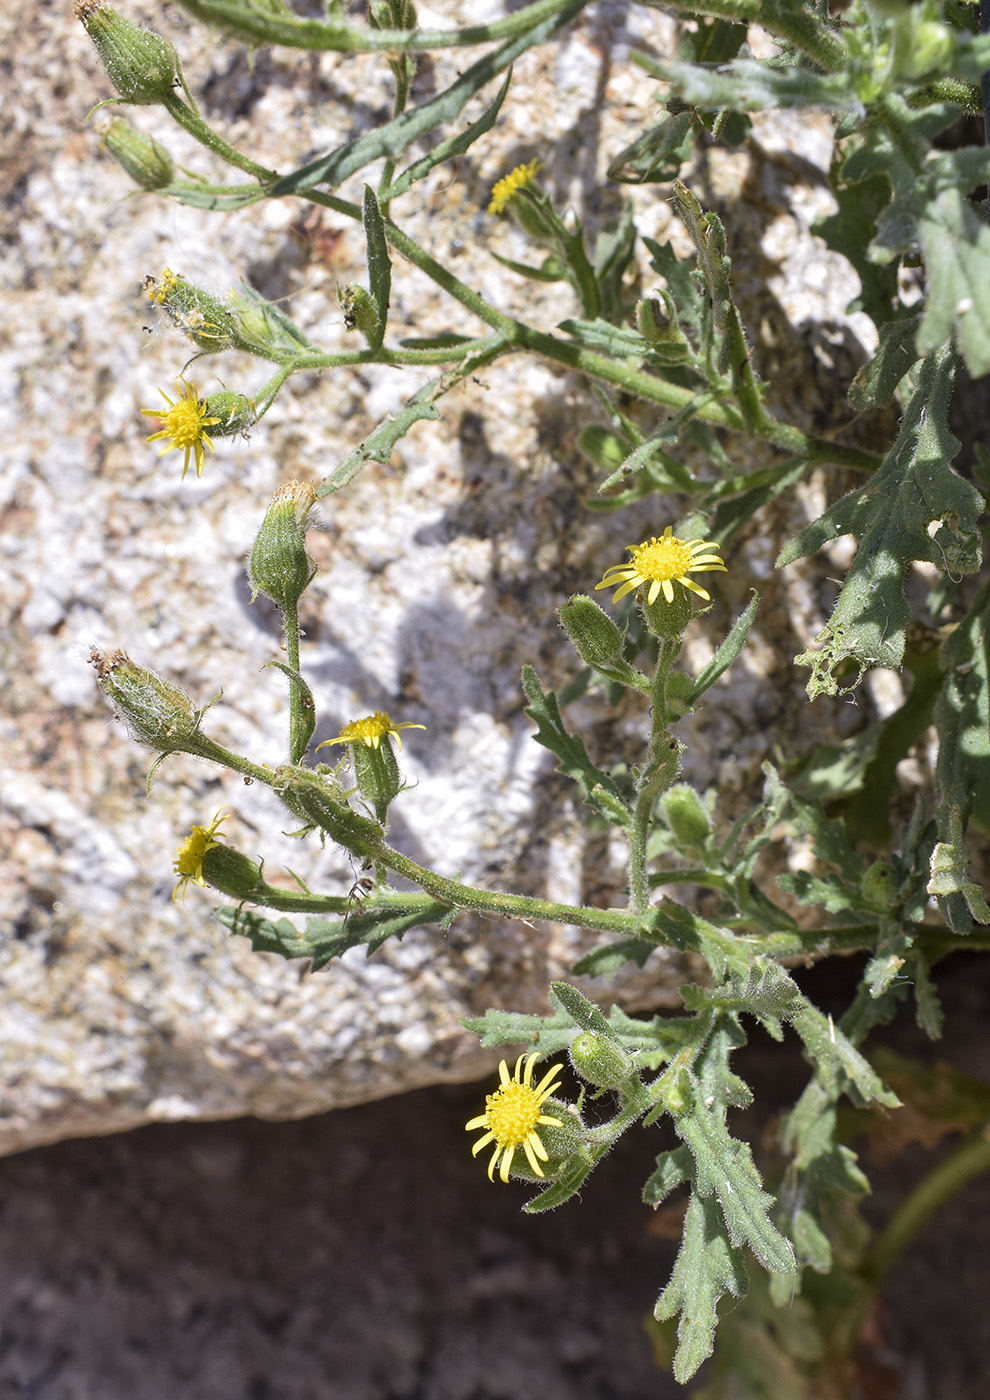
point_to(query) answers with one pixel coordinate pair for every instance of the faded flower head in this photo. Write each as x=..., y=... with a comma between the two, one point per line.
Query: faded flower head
x=511, y=1115
x=184, y=425
x=371, y=730
x=188, y=863
x=661, y=563
x=512, y=183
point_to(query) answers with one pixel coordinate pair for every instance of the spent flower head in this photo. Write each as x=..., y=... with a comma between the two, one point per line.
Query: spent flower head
x=188, y=863
x=661, y=563
x=185, y=425
x=511, y=1115
x=371, y=730
x=512, y=183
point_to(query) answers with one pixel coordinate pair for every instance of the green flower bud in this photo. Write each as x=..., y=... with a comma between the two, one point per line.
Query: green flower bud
x=598, y=641
x=360, y=311
x=157, y=712
x=146, y=161
x=198, y=314
x=600, y=1061
x=687, y=817
x=229, y=872
x=317, y=798
x=656, y=319
x=234, y=413
x=677, y=1093
x=605, y=448
x=143, y=67
x=279, y=565
x=377, y=771
x=878, y=887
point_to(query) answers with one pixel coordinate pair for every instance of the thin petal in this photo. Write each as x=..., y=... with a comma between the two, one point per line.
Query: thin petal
x=695, y=589
x=491, y=1164
x=668, y=590
x=626, y=588
x=543, y=1087
x=503, y=1074
x=534, y=1142
x=480, y=1122
x=545, y=1118
x=482, y=1142
x=530, y=1158
x=507, y=1157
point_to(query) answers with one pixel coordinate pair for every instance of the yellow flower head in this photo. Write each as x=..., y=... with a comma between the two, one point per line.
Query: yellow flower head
x=661, y=563
x=185, y=425
x=188, y=863
x=512, y=183
x=159, y=289
x=511, y=1115
x=371, y=730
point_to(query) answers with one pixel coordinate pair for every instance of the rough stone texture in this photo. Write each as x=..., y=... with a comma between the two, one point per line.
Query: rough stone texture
x=438, y=574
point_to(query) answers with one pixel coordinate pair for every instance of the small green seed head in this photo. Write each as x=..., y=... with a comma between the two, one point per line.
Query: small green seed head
x=232, y=873
x=279, y=566
x=197, y=313
x=234, y=414
x=146, y=161
x=157, y=712
x=143, y=67
x=377, y=771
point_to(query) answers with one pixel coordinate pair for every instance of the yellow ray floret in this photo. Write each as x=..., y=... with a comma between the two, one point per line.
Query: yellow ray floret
x=511, y=1115
x=188, y=863
x=371, y=730
x=184, y=425
x=661, y=563
x=512, y=183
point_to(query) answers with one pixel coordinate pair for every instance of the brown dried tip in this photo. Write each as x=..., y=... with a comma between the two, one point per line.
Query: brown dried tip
x=85, y=8
x=105, y=661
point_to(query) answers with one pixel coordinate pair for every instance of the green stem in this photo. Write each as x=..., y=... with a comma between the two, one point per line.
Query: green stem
x=206, y=136
x=323, y=35
x=300, y=728
x=969, y=1160
x=661, y=769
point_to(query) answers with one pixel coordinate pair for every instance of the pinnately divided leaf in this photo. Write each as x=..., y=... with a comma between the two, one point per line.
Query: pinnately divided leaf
x=891, y=516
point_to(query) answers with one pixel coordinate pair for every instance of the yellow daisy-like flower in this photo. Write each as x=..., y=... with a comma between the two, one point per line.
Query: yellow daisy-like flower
x=511, y=1115
x=371, y=730
x=188, y=863
x=661, y=563
x=185, y=425
x=510, y=184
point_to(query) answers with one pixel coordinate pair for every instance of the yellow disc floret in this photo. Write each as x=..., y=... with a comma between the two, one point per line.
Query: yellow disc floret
x=184, y=425
x=512, y=183
x=661, y=563
x=371, y=730
x=511, y=1115
x=188, y=863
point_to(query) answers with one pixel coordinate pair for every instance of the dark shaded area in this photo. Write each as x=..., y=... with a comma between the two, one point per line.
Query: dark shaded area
x=365, y=1256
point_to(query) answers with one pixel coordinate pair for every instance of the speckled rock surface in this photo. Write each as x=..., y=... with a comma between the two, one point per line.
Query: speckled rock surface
x=438, y=575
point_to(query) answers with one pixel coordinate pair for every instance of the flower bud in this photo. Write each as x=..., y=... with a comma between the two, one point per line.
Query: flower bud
x=146, y=161
x=878, y=887
x=232, y=873
x=143, y=67
x=360, y=312
x=234, y=413
x=686, y=817
x=279, y=566
x=656, y=319
x=600, y=1061
x=598, y=641
x=318, y=799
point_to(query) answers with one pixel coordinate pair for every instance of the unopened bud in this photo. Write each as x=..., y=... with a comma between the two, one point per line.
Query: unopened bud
x=360, y=311
x=318, y=799
x=232, y=873
x=234, y=414
x=600, y=1061
x=143, y=67
x=656, y=319
x=146, y=161
x=686, y=817
x=377, y=771
x=598, y=641
x=279, y=565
